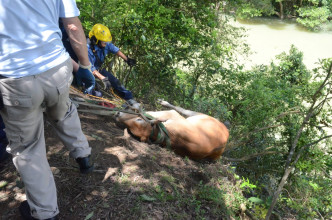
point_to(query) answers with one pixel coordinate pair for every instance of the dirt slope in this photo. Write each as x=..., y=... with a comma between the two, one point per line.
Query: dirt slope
x=132, y=180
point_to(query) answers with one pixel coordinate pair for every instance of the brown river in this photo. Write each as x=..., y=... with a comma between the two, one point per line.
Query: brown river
x=270, y=37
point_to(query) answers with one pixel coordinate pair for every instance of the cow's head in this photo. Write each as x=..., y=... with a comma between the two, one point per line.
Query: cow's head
x=138, y=125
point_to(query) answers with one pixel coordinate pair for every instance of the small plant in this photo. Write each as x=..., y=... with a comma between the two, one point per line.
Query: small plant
x=162, y=195
x=246, y=185
x=123, y=178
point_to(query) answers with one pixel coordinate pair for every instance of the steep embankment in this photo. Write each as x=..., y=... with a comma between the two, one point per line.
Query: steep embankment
x=132, y=180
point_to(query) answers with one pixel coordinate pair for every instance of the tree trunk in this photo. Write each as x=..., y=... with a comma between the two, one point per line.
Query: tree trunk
x=277, y=193
x=281, y=10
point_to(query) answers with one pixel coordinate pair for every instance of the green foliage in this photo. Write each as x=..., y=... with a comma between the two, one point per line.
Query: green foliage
x=268, y=95
x=310, y=196
x=291, y=67
x=165, y=37
x=313, y=17
x=229, y=197
x=266, y=99
x=253, y=8
x=267, y=114
x=212, y=194
x=246, y=185
x=248, y=11
x=185, y=52
x=311, y=13
x=256, y=200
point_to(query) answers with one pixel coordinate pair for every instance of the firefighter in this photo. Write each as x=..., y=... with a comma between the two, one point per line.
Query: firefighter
x=99, y=45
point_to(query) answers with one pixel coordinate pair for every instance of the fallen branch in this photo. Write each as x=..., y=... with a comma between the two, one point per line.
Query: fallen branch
x=97, y=112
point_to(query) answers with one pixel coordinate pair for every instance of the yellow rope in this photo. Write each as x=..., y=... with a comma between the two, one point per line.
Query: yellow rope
x=115, y=95
x=119, y=101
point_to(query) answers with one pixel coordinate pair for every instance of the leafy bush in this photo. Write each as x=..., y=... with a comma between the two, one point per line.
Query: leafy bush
x=266, y=118
x=310, y=196
x=291, y=67
x=313, y=17
x=246, y=11
x=250, y=9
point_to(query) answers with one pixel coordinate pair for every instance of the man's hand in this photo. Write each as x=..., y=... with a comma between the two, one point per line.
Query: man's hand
x=85, y=76
x=131, y=62
x=107, y=83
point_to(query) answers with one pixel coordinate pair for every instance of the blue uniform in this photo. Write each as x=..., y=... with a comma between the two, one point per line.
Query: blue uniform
x=101, y=53
x=97, y=63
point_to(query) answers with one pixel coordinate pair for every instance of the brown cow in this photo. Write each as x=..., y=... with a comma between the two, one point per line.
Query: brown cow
x=198, y=136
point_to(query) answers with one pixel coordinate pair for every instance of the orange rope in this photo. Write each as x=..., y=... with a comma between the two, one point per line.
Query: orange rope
x=119, y=101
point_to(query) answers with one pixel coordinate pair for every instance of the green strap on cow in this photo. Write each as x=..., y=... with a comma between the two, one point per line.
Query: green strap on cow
x=162, y=136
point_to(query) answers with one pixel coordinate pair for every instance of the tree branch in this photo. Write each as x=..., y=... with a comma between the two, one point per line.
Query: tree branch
x=289, y=166
x=249, y=157
x=308, y=145
x=242, y=140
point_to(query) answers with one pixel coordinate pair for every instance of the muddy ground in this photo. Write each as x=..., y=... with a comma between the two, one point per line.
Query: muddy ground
x=132, y=180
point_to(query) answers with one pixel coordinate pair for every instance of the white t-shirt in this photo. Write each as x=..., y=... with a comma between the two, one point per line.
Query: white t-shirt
x=30, y=38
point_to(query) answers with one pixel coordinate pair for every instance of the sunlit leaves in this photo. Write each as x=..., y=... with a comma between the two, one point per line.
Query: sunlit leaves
x=310, y=13
x=313, y=17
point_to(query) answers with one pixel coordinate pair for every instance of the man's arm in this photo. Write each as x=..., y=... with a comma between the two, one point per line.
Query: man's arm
x=77, y=39
x=97, y=74
x=129, y=61
x=120, y=54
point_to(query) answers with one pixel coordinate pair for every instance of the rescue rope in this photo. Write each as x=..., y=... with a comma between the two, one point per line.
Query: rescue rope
x=162, y=135
x=118, y=101
x=94, y=101
x=103, y=107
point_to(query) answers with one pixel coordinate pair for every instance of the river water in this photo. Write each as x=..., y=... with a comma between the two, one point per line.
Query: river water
x=270, y=37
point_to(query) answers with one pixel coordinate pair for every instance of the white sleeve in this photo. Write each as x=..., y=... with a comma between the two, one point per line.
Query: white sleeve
x=68, y=9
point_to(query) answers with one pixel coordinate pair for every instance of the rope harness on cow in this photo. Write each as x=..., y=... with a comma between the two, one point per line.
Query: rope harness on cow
x=162, y=135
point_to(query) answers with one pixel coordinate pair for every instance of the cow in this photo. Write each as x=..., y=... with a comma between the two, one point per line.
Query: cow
x=198, y=136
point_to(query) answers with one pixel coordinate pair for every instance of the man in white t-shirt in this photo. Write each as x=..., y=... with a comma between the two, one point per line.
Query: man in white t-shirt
x=36, y=72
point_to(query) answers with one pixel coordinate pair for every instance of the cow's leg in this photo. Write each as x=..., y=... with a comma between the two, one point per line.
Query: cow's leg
x=185, y=112
x=166, y=115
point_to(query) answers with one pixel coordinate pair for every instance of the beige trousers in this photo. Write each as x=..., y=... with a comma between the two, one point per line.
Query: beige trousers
x=22, y=113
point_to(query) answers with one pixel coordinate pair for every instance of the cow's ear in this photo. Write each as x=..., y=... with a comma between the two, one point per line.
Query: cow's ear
x=143, y=139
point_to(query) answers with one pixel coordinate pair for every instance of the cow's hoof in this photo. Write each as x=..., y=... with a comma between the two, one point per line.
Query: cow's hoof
x=162, y=102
